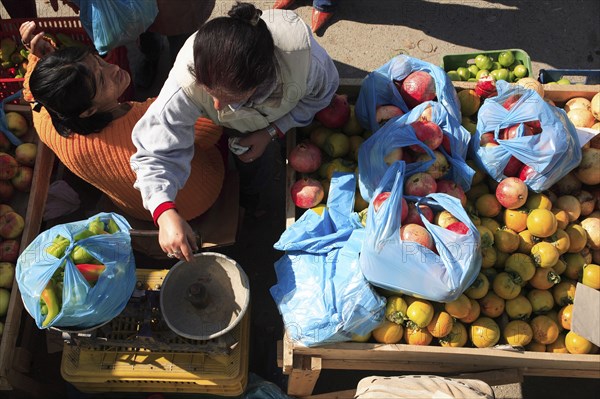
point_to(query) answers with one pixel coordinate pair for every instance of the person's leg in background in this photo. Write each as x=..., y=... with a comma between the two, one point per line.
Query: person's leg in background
x=322, y=11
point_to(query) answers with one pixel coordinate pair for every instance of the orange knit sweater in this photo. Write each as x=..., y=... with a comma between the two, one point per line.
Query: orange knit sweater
x=102, y=160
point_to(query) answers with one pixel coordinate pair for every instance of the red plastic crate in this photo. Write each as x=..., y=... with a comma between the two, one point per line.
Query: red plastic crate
x=10, y=28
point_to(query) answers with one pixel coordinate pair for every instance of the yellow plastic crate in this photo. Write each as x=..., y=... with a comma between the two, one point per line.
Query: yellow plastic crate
x=141, y=370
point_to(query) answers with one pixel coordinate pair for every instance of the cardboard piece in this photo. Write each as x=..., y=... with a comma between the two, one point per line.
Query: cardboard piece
x=586, y=318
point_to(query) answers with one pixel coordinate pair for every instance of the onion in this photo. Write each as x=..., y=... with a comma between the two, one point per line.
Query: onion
x=531, y=83
x=581, y=117
x=577, y=103
x=595, y=105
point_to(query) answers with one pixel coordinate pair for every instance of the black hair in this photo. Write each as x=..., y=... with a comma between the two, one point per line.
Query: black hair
x=65, y=86
x=236, y=53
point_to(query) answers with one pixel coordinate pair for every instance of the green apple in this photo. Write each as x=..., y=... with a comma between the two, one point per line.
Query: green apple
x=4, y=298
x=464, y=73
x=506, y=58
x=502, y=74
x=473, y=69
x=520, y=71
x=496, y=65
x=453, y=75
x=563, y=81
x=483, y=62
x=482, y=73
x=1, y=329
x=7, y=274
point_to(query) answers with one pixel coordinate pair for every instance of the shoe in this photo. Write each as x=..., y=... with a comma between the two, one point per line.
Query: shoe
x=283, y=4
x=319, y=18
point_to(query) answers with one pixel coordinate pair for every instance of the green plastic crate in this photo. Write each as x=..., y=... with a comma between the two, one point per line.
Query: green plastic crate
x=452, y=61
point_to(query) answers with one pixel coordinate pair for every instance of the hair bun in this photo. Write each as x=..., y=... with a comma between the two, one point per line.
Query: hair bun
x=245, y=12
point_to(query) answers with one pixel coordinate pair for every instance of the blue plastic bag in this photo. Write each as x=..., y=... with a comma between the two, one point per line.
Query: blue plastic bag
x=320, y=292
x=112, y=23
x=408, y=267
x=397, y=132
x=378, y=89
x=552, y=154
x=83, y=306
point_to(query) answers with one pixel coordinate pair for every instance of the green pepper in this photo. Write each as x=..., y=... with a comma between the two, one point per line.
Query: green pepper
x=81, y=255
x=112, y=227
x=58, y=246
x=96, y=226
x=90, y=272
x=51, y=301
x=82, y=234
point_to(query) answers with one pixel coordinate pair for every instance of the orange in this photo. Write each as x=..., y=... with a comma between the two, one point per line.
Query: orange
x=541, y=300
x=575, y=263
x=562, y=218
x=577, y=236
x=441, y=324
x=521, y=264
x=505, y=285
x=541, y=223
x=577, y=344
x=544, y=278
x=545, y=330
x=516, y=219
x=491, y=305
x=458, y=308
x=591, y=276
x=457, y=338
x=558, y=346
x=517, y=333
x=479, y=287
x=544, y=254
x=518, y=308
x=561, y=241
x=565, y=316
x=538, y=201
x=564, y=292
x=506, y=240
x=484, y=332
x=388, y=333
x=473, y=313
x=417, y=336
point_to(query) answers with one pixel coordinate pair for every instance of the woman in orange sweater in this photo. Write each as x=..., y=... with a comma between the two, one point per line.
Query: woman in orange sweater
x=81, y=120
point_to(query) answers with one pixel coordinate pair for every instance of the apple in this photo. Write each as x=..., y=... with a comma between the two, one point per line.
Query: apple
x=420, y=185
x=336, y=114
x=4, y=298
x=1, y=329
x=513, y=167
x=7, y=274
x=487, y=140
x=22, y=180
x=4, y=208
x=380, y=199
x=9, y=251
x=415, y=233
x=319, y=135
x=337, y=145
x=428, y=133
x=536, y=126
x=6, y=190
x=4, y=143
x=25, y=154
x=527, y=173
x=440, y=165
x=452, y=189
x=413, y=217
x=384, y=113
x=511, y=101
x=511, y=193
x=11, y=225
x=16, y=123
x=394, y=155
x=307, y=193
x=511, y=132
x=8, y=166
x=352, y=127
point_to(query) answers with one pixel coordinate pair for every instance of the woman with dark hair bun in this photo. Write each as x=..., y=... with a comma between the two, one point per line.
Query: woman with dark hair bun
x=258, y=75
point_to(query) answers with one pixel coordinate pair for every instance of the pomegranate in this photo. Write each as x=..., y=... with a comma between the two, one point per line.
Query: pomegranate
x=415, y=233
x=511, y=101
x=429, y=133
x=307, y=193
x=511, y=193
x=384, y=113
x=513, y=167
x=426, y=115
x=305, y=158
x=486, y=87
x=511, y=132
x=413, y=217
x=446, y=144
x=536, y=126
x=404, y=212
x=452, y=189
x=527, y=173
x=380, y=199
x=416, y=88
x=488, y=140
x=336, y=114
x=420, y=185
x=458, y=227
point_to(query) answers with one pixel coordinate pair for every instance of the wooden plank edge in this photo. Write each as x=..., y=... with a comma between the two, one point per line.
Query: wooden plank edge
x=290, y=179
x=348, y=394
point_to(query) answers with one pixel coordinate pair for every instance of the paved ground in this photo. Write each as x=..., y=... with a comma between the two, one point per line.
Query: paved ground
x=364, y=35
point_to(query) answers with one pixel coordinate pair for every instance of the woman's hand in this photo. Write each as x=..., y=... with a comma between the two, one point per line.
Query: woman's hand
x=36, y=44
x=258, y=142
x=175, y=236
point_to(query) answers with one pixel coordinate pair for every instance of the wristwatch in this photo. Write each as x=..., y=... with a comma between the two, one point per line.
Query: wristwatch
x=272, y=130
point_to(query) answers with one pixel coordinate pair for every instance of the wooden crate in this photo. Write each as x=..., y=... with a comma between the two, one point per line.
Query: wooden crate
x=13, y=359
x=303, y=365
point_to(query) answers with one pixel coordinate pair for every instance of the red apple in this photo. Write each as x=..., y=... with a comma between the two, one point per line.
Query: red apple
x=384, y=113
x=510, y=102
x=336, y=114
x=413, y=216
x=511, y=193
x=8, y=166
x=416, y=88
x=429, y=133
x=307, y=193
x=511, y=132
x=22, y=180
x=526, y=173
x=488, y=140
x=5, y=208
x=305, y=158
x=513, y=167
x=420, y=185
x=380, y=199
x=453, y=189
x=458, y=227
x=6, y=190
x=9, y=251
x=11, y=225
x=415, y=233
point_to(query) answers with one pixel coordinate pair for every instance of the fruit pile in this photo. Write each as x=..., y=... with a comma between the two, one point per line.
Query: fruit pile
x=506, y=67
x=16, y=173
x=90, y=268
